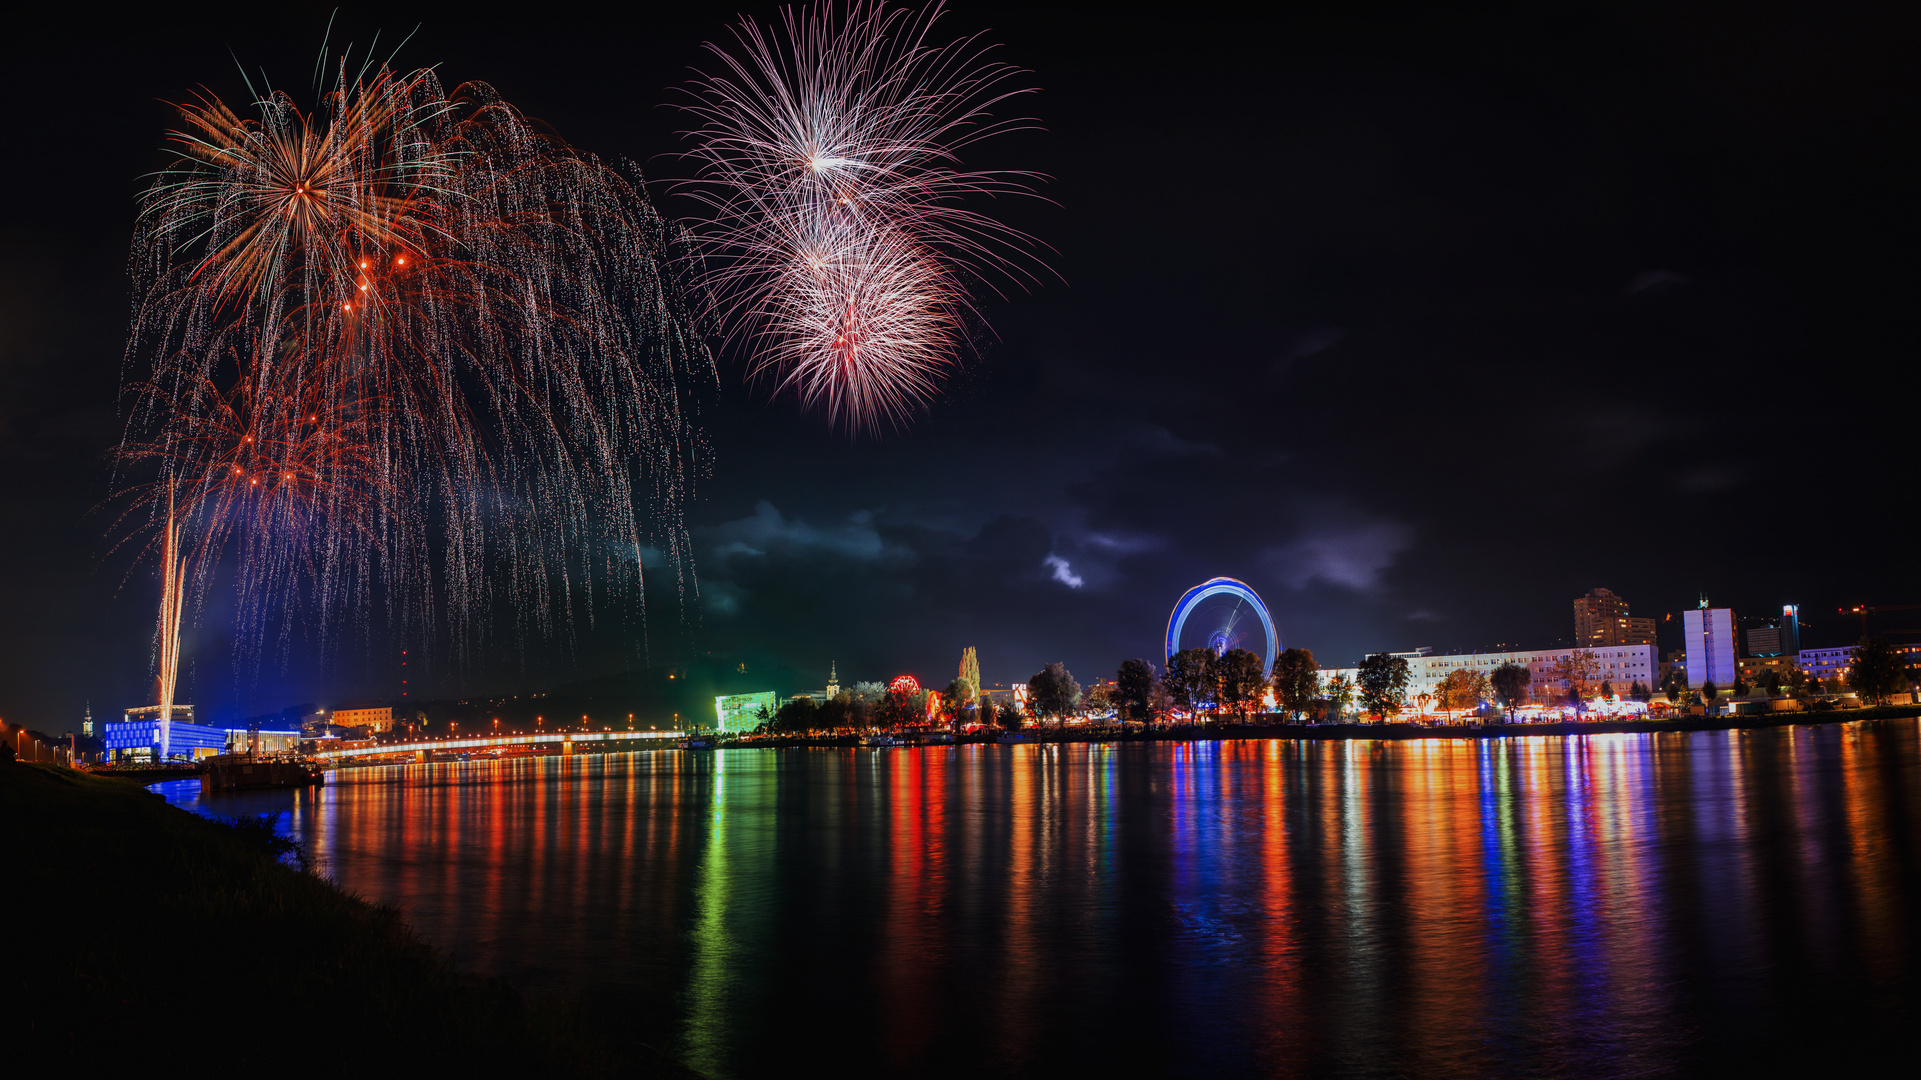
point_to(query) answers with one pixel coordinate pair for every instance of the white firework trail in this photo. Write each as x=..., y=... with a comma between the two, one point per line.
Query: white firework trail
x=838, y=248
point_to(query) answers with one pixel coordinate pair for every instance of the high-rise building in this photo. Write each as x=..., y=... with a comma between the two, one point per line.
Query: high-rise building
x=1601, y=620
x=1764, y=635
x=1764, y=640
x=1757, y=635
x=1710, y=646
x=1627, y=631
x=1593, y=613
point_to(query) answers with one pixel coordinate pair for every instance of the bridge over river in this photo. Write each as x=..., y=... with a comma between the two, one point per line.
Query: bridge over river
x=563, y=742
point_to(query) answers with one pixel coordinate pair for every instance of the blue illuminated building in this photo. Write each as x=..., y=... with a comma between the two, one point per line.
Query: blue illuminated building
x=188, y=739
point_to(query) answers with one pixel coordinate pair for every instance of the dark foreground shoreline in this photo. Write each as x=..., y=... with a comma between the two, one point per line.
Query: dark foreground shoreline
x=137, y=928
x=1210, y=732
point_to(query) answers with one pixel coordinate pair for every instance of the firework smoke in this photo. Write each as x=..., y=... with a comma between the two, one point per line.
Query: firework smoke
x=405, y=354
x=829, y=159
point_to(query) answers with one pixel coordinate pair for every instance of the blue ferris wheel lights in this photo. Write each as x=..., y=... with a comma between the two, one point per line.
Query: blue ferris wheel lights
x=1220, y=586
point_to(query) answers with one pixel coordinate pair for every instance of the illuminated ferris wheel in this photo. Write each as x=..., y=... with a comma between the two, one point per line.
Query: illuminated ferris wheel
x=1221, y=614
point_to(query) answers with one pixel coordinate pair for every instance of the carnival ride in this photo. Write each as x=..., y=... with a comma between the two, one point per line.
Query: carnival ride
x=1224, y=620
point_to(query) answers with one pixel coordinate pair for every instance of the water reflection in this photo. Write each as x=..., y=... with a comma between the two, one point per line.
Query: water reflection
x=1608, y=905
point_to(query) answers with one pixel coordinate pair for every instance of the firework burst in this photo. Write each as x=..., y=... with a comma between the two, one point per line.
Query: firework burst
x=405, y=351
x=829, y=160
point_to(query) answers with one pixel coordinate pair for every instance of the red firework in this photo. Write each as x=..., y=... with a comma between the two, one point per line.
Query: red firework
x=485, y=326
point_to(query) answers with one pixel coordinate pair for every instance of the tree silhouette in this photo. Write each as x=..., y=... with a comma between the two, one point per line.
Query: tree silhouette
x=1339, y=691
x=1053, y=692
x=1191, y=679
x=1877, y=672
x=1134, y=690
x=1243, y=682
x=1462, y=690
x=1297, y=681
x=1383, y=680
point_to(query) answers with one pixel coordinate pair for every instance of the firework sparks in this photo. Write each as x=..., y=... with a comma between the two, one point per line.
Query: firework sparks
x=829, y=161
x=405, y=350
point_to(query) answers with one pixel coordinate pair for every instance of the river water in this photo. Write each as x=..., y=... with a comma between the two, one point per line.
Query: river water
x=1607, y=905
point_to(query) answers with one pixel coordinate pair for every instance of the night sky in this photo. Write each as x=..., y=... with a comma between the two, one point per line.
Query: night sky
x=1423, y=325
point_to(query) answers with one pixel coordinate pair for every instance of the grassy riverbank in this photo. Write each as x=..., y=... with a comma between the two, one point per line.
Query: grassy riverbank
x=140, y=933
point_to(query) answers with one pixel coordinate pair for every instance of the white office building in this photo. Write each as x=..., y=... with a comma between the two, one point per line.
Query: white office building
x=1709, y=647
x=1619, y=665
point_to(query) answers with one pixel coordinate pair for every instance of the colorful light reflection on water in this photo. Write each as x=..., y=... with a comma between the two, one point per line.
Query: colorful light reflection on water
x=1603, y=905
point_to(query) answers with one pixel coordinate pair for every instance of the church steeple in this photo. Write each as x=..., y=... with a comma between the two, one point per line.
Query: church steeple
x=833, y=680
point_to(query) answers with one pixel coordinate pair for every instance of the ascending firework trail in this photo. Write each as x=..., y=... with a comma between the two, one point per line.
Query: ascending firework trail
x=829, y=159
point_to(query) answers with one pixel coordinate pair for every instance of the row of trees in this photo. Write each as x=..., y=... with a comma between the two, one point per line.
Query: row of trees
x=1195, y=681
x=1199, y=682
x=1232, y=685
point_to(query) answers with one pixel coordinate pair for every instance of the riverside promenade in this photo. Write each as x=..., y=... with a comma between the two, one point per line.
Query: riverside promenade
x=1224, y=730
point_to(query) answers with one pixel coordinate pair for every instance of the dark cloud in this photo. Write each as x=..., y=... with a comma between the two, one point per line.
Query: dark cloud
x=1657, y=281
x=767, y=533
x=1612, y=436
x=1707, y=478
x=1315, y=342
x=1352, y=553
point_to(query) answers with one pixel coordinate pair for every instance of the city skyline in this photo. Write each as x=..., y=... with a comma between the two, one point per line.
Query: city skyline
x=1428, y=666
